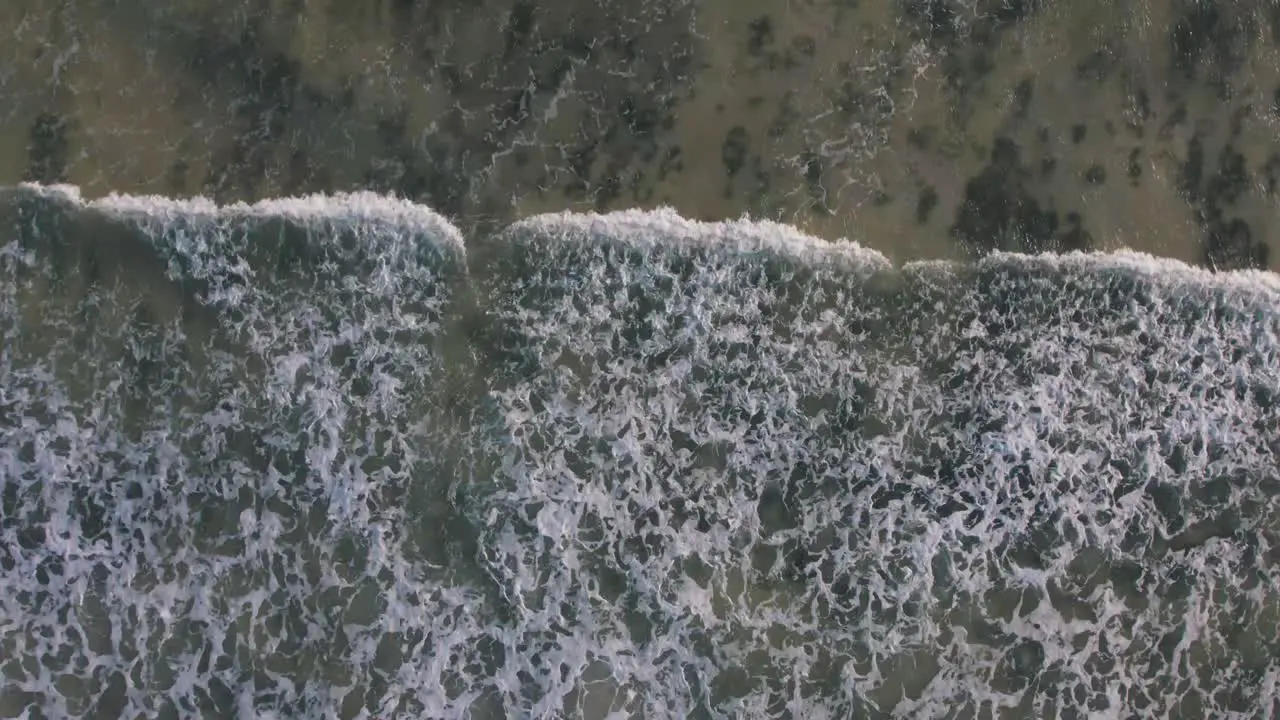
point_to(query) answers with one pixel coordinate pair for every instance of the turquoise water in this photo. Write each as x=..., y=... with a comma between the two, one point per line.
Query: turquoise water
x=321, y=457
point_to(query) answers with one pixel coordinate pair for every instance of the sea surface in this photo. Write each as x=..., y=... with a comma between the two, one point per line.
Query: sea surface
x=324, y=457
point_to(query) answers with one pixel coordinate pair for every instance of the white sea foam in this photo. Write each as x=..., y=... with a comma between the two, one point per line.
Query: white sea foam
x=354, y=208
x=231, y=535
x=943, y=489
x=1151, y=268
x=664, y=228
x=683, y=470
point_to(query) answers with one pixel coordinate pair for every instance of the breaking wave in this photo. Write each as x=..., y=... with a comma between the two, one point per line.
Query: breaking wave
x=315, y=458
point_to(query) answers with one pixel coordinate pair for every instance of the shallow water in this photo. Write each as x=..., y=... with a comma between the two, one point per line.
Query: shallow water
x=321, y=458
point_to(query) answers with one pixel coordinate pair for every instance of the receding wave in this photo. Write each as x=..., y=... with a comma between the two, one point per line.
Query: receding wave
x=312, y=458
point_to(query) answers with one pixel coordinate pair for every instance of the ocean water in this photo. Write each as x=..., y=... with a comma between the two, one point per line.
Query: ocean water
x=322, y=458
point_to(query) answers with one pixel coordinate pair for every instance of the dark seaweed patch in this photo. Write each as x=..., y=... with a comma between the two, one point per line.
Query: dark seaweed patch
x=47, y=149
x=927, y=201
x=1095, y=68
x=997, y=209
x=733, y=151
x=520, y=23
x=1231, y=245
x=1132, y=167
x=759, y=35
x=1022, y=94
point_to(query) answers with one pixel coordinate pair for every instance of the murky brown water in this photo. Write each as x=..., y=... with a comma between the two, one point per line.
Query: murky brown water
x=924, y=128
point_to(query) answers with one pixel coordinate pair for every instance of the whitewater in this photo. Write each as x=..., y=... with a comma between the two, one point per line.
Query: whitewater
x=327, y=457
